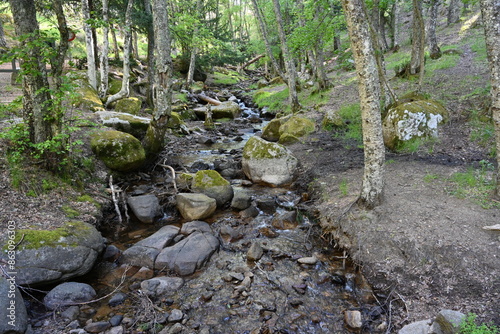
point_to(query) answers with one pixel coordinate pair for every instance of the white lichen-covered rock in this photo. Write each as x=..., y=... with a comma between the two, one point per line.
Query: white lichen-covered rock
x=227, y=109
x=410, y=120
x=268, y=163
x=134, y=125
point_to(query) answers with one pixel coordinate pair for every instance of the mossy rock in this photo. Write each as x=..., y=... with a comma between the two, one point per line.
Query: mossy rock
x=134, y=125
x=411, y=120
x=332, y=119
x=297, y=126
x=277, y=81
x=129, y=105
x=271, y=131
x=120, y=151
x=86, y=96
x=175, y=121
x=114, y=86
x=212, y=184
x=287, y=139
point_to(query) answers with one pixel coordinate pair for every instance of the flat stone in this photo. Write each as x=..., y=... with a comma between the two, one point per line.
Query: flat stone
x=308, y=260
x=195, y=226
x=97, y=327
x=140, y=256
x=161, y=238
x=195, y=206
x=144, y=207
x=162, y=285
x=175, y=315
x=449, y=321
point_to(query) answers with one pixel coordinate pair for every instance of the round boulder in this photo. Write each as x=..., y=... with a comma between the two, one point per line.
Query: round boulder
x=120, y=151
x=195, y=206
x=69, y=293
x=212, y=184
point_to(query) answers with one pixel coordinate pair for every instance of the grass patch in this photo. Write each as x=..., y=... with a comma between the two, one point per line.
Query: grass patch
x=311, y=97
x=476, y=184
x=444, y=62
x=351, y=117
x=344, y=188
x=275, y=100
x=69, y=211
x=428, y=178
x=483, y=130
x=469, y=326
x=231, y=78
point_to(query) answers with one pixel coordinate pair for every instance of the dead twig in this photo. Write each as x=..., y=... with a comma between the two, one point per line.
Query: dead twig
x=115, y=199
x=173, y=175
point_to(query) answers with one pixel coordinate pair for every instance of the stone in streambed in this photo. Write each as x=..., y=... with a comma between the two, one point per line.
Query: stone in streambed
x=195, y=206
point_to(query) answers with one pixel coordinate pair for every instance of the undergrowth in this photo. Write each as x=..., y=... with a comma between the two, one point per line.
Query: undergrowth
x=469, y=326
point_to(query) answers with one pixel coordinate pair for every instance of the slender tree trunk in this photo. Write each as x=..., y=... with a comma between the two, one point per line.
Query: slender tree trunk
x=89, y=43
x=418, y=39
x=103, y=90
x=394, y=32
x=3, y=43
x=454, y=11
x=36, y=98
x=135, y=45
x=291, y=72
x=58, y=62
x=435, y=51
x=162, y=93
x=369, y=92
x=194, y=49
x=124, y=91
x=116, y=50
x=491, y=17
x=265, y=35
x=151, y=49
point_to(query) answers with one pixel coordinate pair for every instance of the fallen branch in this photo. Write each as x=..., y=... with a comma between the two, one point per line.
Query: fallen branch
x=207, y=99
x=173, y=176
x=251, y=61
x=115, y=199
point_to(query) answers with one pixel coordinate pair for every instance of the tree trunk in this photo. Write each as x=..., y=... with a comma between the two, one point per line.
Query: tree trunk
x=264, y=33
x=418, y=39
x=36, y=98
x=3, y=43
x=435, y=51
x=291, y=72
x=491, y=16
x=369, y=93
x=103, y=90
x=116, y=50
x=151, y=49
x=124, y=91
x=162, y=93
x=194, y=47
x=454, y=11
x=89, y=43
x=58, y=62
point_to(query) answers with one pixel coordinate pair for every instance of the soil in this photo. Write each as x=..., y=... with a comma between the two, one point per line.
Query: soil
x=423, y=249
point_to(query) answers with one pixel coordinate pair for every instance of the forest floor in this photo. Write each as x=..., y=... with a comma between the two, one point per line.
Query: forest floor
x=424, y=248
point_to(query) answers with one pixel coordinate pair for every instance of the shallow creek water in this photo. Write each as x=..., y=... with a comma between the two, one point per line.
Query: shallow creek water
x=282, y=294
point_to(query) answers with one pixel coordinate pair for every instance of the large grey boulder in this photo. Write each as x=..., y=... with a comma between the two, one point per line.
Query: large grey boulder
x=410, y=120
x=195, y=226
x=145, y=207
x=13, y=314
x=195, y=206
x=227, y=109
x=188, y=255
x=67, y=294
x=162, y=286
x=144, y=252
x=449, y=321
x=268, y=163
x=118, y=150
x=212, y=184
x=134, y=125
x=49, y=256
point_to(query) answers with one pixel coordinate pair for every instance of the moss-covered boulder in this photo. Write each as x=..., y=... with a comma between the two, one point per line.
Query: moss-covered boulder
x=114, y=86
x=86, y=96
x=332, y=119
x=297, y=127
x=410, y=120
x=120, y=151
x=212, y=184
x=129, y=105
x=227, y=109
x=271, y=131
x=268, y=163
x=134, y=125
x=47, y=256
x=175, y=121
x=287, y=139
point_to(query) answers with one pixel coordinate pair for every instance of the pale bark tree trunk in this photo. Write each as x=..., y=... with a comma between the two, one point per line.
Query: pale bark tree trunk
x=103, y=90
x=435, y=51
x=116, y=50
x=89, y=43
x=162, y=92
x=291, y=72
x=491, y=20
x=418, y=41
x=36, y=98
x=151, y=49
x=263, y=31
x=3, y=43
x=394, y=25
x=194, y=48
x=454, y=11
x=58, y=62
x=135, y=45
x=124, y=91
x=369, y=93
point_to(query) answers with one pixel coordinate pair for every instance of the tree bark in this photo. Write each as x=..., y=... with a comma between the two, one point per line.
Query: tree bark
x=124, y=91
x=291, y=72
x=369, y=93
x=37, y=101
x=491, y=20
x=418, y=40
x=116, y=50
x=3, y=43
x=162, y=92
x=264, y=33
x=194, y=47
x=58, y=62
x=435, y=51
x=89, y=43
x=454, y=11
x=103, y=90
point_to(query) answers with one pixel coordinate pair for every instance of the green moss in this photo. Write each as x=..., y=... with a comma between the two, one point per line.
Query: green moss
x=208, y=178
x=114, y=86
x=34, y=239
x=287, y=138
x=87, y=97
x=175, y=120
x=69, y=211
x=257, y=148
x=297, y=126
x=130, y=105
x=226, y=79
x=275, y=98
x=89, y=199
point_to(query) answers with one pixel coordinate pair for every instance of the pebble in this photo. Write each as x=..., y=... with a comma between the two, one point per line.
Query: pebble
x=175, y=316
x=352, y=319
x=117, y=299
x=71, y=313
x=308, y=260
x=116, y=320
x=97, y=327
x=255, y=252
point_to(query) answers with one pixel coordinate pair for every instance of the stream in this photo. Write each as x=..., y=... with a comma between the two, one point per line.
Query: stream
x=301, y=283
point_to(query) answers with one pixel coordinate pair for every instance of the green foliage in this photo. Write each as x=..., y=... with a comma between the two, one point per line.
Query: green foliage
x=476, y=184
x=469, y=326
x=351, y=117
x=231, y=78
